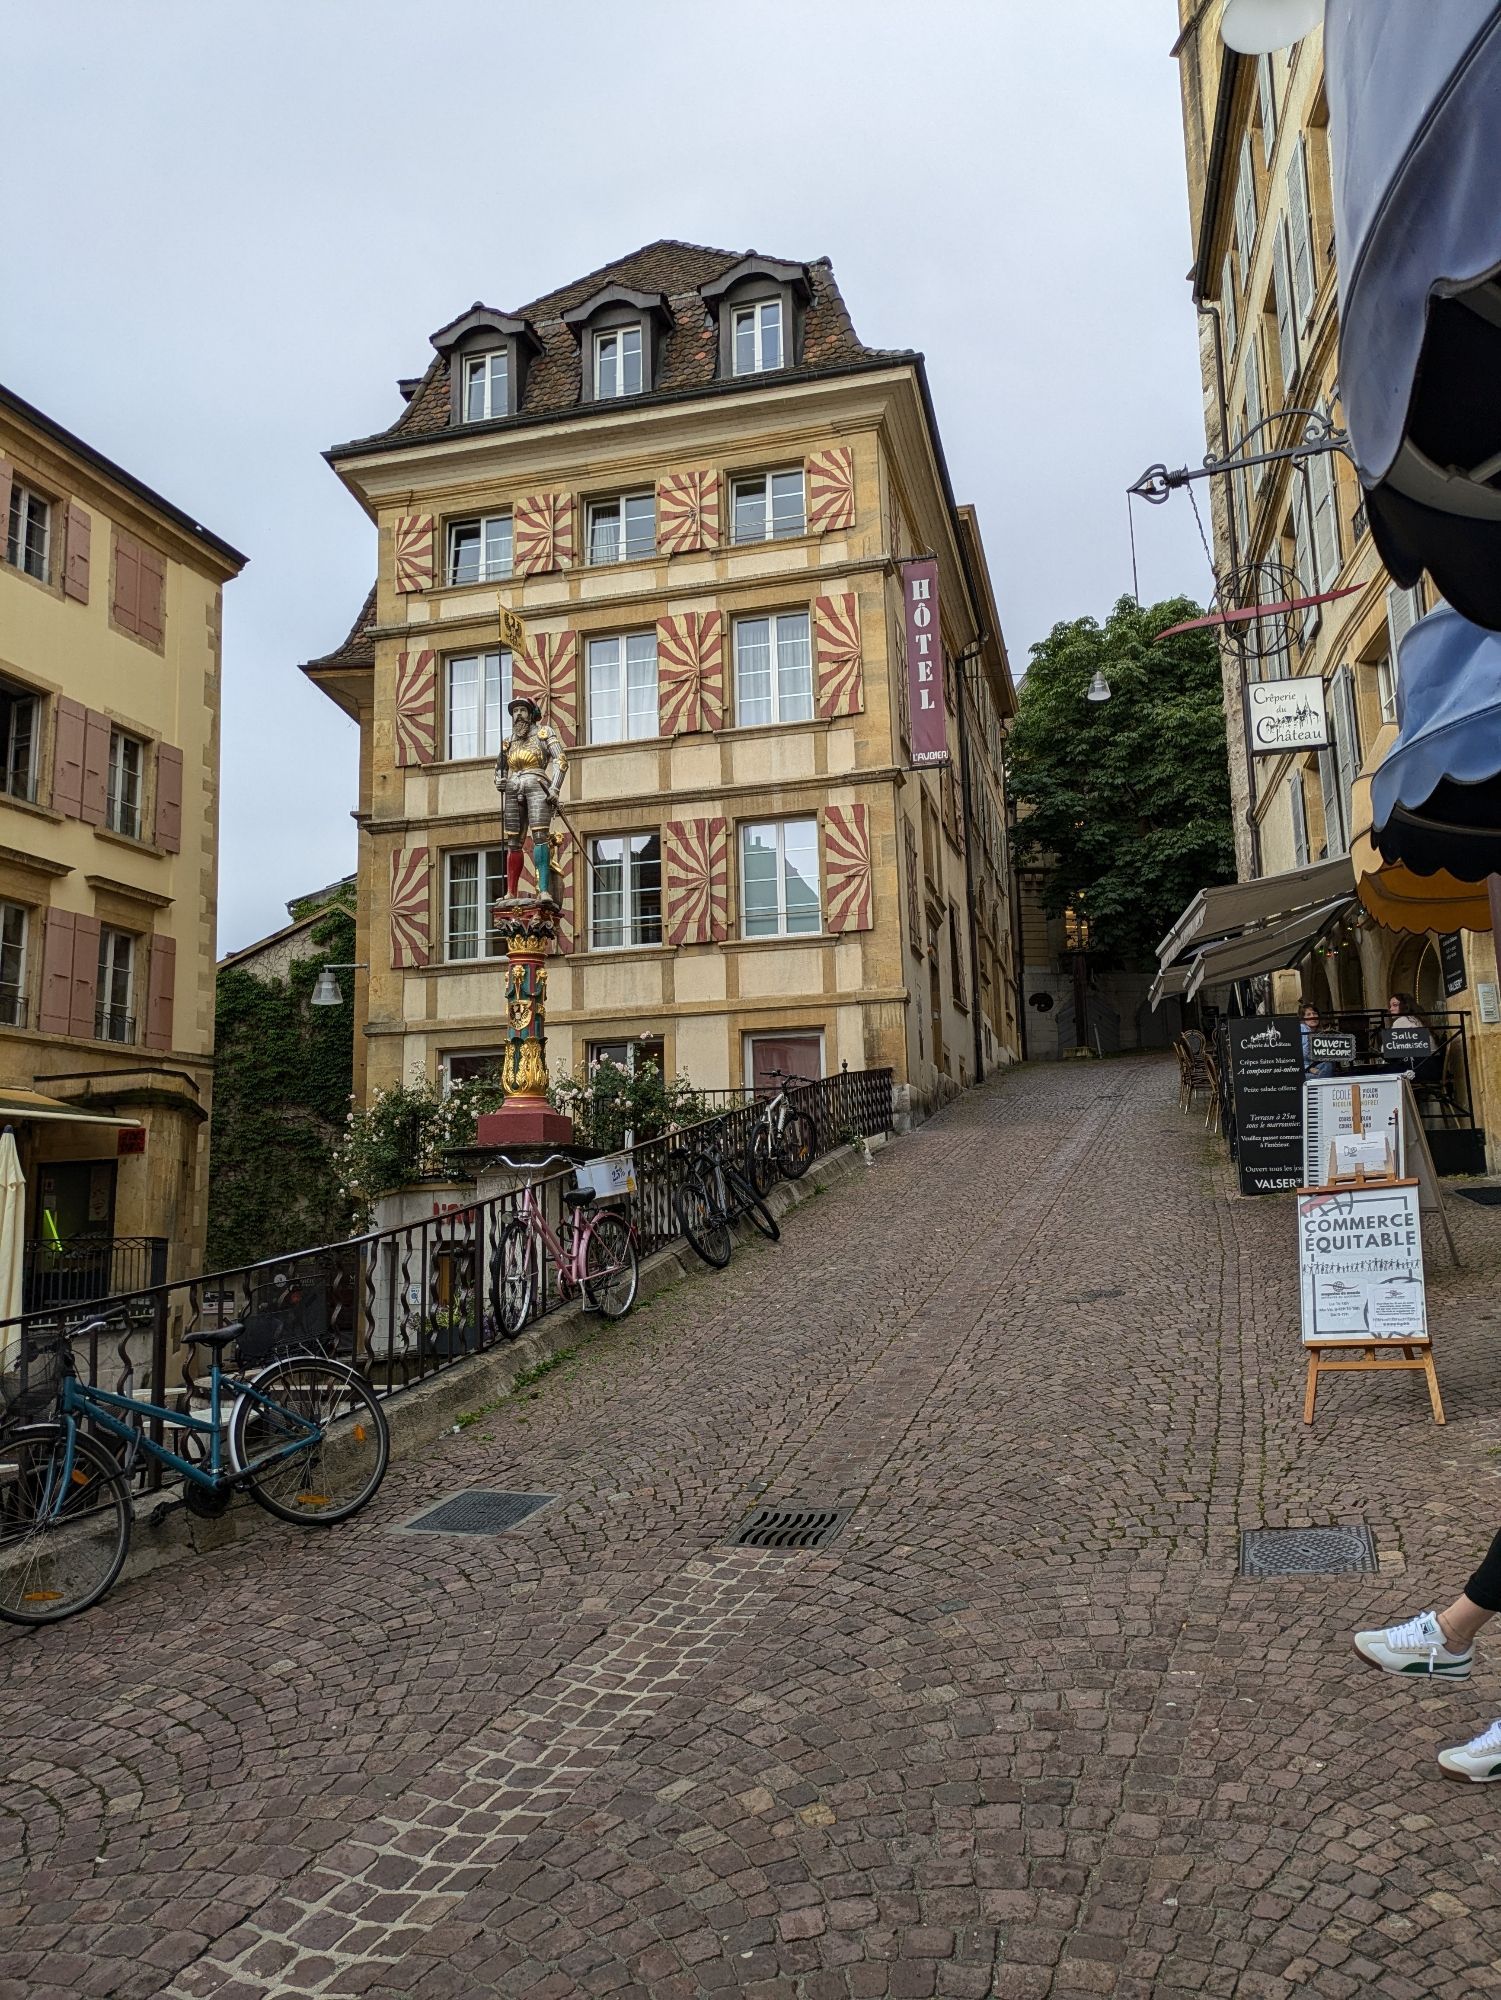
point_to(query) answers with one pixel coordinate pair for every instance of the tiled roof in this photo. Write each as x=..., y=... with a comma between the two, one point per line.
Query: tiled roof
x=689, y=354
x=358, y=650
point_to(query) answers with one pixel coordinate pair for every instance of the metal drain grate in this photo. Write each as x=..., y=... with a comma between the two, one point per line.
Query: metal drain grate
x=1305, y=1551
x=477, y=1513
x=790, y=1528
x=1488, y=1197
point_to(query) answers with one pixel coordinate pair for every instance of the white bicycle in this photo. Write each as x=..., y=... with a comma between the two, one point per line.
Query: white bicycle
x=784, y=1140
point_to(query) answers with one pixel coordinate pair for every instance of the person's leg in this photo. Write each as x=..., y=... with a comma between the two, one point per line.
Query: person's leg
x=1478, y=1604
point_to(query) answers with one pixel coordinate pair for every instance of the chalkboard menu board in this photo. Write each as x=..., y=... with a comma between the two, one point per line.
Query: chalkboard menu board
x=1451, y=956
x=1266, y=1088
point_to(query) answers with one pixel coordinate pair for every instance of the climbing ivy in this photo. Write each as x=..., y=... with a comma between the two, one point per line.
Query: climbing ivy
x=282, y=1077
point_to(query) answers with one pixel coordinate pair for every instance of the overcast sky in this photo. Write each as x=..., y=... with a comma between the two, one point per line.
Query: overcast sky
x=230, y=225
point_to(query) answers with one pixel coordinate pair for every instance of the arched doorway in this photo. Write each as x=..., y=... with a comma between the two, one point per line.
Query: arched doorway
x=1415, y=969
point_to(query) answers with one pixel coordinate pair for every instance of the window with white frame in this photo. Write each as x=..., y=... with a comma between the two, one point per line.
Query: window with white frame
x=122, y=802
x=756, y=337
x=479, y=551
x=486, y=385
x=622, y=528
x=479, y=693
x=20, y=727
x=779, y=879
x=767, y=506
x=773, y=670
x=467, y=1066
x=13, y=926
x=641, y=1052
x=473, y=881
x=113, y=1020
x=617, y=362
x=28, y=533
x=625, y=891
x=623, y=688
x=1386, y=689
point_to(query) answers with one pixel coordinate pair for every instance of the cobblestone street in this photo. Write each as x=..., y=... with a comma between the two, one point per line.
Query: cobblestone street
x=1021, y=1730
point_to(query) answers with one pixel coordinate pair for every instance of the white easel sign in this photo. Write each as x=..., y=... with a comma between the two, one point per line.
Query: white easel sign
x=1360, y=1262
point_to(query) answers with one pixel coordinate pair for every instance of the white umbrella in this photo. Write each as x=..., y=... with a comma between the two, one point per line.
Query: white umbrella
x=12, y=1244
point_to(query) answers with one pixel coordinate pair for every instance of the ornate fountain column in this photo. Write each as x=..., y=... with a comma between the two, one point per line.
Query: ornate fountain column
x=530, y=928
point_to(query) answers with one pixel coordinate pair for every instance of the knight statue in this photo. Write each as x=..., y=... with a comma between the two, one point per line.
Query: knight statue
x=529, y=776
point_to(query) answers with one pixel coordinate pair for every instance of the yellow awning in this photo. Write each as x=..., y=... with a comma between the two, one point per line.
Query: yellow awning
x=23, y=1106
x=1393, y=894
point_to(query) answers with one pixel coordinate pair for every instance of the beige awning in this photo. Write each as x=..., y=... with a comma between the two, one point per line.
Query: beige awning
x=1269, y=949
x=1169, y=983
x=1232, y=905
x=24, y=1106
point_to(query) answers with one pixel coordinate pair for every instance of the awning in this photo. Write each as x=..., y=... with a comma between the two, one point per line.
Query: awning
x=1415, y=126
x=1436, y=795
x=1231, y=906
x=1269, y=949
x=1169, y=984
x=1393, y=894
x=28, y=1106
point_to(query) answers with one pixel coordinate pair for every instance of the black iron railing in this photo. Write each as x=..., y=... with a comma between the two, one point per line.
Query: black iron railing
x=88, y=1267
x=403, y=1303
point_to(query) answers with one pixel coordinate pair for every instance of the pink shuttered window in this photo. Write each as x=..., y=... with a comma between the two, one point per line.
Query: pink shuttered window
x=68, y=737
x=76, y=538
x=411, y=907
x=139, y=593
x=542, y=533
x=690, y=672
x=548, y=673
x=838, y=667
x=846, y=869
x=163, y=979
x=687, y=512
x=414, y=552
x=696, y=858
x=168, y=798
x=416, y=724
x=96, y=736
x=830, y=483
x=57, y=973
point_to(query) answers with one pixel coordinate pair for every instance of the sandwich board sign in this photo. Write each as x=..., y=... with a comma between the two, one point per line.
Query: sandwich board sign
x=1361, y=1291
x=1329, y=1116
x=1266, y=1089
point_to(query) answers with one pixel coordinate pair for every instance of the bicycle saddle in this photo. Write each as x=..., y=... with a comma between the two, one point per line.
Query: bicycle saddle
x=218, y=1336
x=577, y=1197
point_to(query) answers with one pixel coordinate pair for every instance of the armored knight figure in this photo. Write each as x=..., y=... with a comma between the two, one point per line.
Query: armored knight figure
x=529, y=776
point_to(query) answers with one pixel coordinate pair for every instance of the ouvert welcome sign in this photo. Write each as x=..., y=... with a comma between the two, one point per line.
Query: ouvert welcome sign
x=929, y=716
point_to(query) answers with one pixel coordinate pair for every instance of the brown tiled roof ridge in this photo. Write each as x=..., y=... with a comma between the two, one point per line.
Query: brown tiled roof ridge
x=358, y=649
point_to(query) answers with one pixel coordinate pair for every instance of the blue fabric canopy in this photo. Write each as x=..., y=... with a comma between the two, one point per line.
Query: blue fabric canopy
x=1436, y=795
x=1415, y=124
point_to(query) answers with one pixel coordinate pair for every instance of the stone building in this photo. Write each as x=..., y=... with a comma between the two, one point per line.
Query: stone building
x=691, y=483
x=1266, y=287
x=110, y=601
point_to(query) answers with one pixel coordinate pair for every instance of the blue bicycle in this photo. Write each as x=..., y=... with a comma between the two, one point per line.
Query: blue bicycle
x=304, y=1436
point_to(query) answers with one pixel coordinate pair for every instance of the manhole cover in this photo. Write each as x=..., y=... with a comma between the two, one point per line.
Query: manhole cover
x=790, y=1528
x=1305, y=1551
x=477, y=1513
x=1488, y=1197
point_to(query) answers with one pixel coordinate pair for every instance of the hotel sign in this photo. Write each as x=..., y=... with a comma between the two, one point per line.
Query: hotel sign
x=1287, y=715
x=929, y=716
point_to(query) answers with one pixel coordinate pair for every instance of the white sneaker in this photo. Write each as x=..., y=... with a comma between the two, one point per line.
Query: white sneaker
x=1479, y=1760
x=1418, y=1647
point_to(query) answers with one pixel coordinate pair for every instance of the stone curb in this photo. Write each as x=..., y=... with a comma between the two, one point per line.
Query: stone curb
x=420, y=1415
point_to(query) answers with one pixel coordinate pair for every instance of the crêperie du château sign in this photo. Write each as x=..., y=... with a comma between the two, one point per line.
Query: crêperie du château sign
x=1266, y=1089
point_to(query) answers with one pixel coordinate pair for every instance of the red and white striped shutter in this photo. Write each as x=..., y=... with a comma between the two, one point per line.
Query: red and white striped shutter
x=563, y=872
x=548, y=674
x=95, y=767
x=829, y=481
x=411, y=911
x=68, y=735
x=76, y=537
x=690, y=672
x=542, y=533
x=57, y=974
x=839, y=671
x=846, y=869
x=168, y=798
x=84, y=988
x=163, y=980
x=414, y=552
x=416, y=723
x=696, y=857
x=688, y=512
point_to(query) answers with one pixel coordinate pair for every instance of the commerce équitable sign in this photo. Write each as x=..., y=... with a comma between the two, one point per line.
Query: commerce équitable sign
x=929, y=717
x=1360, y=1262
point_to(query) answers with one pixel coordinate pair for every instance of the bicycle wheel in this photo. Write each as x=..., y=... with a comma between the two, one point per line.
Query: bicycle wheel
x=59, y=1551
x=761, y=1160
x=513, y=1279
x=703, y=1222
x=610, y=1273
x=334, y=1472
x=749, y=1204
x=799, y=1145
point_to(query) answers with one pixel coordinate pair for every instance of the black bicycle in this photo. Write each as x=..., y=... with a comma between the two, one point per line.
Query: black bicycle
x=784, y=1141
x=710, y=1196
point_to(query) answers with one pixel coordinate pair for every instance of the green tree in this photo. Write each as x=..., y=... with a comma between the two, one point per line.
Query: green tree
x=282, y=1074
x=1126, y=802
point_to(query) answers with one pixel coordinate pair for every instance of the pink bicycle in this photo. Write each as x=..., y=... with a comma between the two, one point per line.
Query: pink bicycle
x=596, y=1256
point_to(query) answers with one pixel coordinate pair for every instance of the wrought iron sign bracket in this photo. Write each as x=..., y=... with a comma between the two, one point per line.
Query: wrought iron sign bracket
x=1320, y=434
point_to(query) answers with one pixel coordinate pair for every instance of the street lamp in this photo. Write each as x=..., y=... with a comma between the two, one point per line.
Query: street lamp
x=326, y=989
x=1099, y=687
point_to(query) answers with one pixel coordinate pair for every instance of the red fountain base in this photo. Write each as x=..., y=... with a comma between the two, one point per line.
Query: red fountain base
x=524, y=1121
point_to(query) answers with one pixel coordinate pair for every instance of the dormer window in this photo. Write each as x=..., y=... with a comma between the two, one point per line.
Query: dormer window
x=756, y=337
x=617, y=362
x=486, y=383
